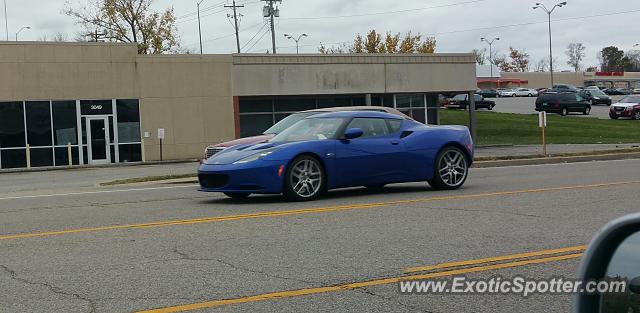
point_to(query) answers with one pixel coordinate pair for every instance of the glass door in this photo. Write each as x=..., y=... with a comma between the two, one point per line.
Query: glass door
x=98, y=140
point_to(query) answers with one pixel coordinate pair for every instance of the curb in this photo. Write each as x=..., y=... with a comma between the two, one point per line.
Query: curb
x=85, y=166
x=557, y=160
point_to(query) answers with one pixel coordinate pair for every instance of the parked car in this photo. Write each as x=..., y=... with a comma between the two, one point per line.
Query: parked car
x=636, y=91
x=628, y=106
x=526, y=92
x=288, y=121
x=562, y=103
x=342, y=149
x=618, y=91
x=564, y=88
x=461, y=101
x=487, y=93
x=508, y=93
x=595, y=96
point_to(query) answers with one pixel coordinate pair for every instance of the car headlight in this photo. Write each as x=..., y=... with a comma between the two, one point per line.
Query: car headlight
x=256, y=156
x=597, y=98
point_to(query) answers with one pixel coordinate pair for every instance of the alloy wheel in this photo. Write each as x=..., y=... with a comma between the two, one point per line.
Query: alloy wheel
x=453, y=168
x=306, y=178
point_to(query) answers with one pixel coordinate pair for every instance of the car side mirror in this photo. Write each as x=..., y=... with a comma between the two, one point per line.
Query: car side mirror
x=612, y=255
x=352, y=133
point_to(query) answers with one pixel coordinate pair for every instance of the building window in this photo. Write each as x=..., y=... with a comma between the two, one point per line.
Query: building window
x=64, y=123
x=39, y=123
x=12, y=125
x=128, y=121
x=41, y=157
x=13, y=158
x=412, y=105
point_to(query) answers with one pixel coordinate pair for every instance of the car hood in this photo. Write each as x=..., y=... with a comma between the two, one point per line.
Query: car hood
x=239, y=152
x=624, y=105
x=244, y=141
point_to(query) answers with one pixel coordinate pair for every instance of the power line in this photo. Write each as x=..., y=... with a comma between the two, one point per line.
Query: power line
x=259, y=39
x=254, y=36
x=385, y=12
x=499, y=26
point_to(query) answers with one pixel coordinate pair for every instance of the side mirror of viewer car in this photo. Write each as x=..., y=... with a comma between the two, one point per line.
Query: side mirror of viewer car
x=353, y=133
x=612, y=255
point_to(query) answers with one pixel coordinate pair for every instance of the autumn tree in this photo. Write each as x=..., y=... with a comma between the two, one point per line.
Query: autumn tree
x=575, y=52
x=480, y=55
x=131, y=21
x=519, y=60
x=375, y=42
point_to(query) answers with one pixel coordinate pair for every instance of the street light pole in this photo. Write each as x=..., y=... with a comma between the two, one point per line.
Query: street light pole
x=549, y=12
x=21, y=29
x=6, y=20
x=490, y=42
x=199, y=26
x=297, y=40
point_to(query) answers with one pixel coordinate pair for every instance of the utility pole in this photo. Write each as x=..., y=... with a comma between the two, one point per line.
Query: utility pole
x=549, y=12
x=271, y=12
x=235, y=19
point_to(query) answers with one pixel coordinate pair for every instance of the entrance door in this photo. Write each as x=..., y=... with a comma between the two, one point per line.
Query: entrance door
x=98, y=140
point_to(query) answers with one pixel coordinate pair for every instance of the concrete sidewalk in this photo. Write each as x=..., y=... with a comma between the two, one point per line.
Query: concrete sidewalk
x=524, y=150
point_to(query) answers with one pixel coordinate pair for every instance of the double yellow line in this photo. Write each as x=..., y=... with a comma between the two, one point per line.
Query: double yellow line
x=433, y=271
x=304, y=211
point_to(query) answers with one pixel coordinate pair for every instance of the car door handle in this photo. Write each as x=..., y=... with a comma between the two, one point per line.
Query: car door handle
x=395, y=142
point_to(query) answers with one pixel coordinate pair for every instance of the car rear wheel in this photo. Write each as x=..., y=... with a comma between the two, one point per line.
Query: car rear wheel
x=564, y=111
x=450, y=170
x=490, y=107
x=530, y=95
x=587, y=110
x=305, y=179
x=514, y=95
x=237, y=195
x=636, y=116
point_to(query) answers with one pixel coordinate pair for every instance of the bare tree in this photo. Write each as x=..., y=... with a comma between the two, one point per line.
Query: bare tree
x=542, y=65
x=575, y=52
x=130, y=21
x=57, y=37
x=480, y=55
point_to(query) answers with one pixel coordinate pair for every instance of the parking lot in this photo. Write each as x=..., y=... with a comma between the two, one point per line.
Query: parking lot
x=526, y=105
x=68, y=245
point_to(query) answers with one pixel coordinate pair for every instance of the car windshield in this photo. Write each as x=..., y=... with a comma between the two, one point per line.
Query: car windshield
x=287, y=122
x=460, y=97
x=596, y=92
x=311, y=129
x=630, y=99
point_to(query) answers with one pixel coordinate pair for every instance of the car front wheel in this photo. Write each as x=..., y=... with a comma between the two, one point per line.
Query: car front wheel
x=636, y=116
x=564, y=111
x=587, y=110
x=450, y=170
x=305, y=179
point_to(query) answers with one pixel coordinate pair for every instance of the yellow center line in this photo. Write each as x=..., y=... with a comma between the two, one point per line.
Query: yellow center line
x=351, y=286
x=496, y=259
x=305, y=211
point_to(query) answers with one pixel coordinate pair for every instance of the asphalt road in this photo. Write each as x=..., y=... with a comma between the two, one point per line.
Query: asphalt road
x=526, y=105
x=133, y=248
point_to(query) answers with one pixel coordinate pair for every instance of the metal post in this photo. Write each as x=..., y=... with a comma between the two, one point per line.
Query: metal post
x=69, y=154
x=28, y=156
x=160, y=149
x=273, y=28
x=235, y=18
x=472, y=116
x=550, y=51
x=6, y=20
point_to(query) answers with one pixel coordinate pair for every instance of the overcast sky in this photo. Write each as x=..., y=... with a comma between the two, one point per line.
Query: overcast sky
x=456, y=24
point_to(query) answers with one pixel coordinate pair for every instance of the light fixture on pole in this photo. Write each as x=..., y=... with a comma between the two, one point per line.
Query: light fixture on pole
x=297, y=40
x=21, y=29
x=490, y=43
x=199, y=26
x=549, y=12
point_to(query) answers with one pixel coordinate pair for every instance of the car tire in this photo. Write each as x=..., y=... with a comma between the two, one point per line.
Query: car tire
x=587, y=110
x=450, y=169
x=305, y=179
x=564, y=111
x=514, y=95
x=237, y=195
x=490, y=107
x=636, y=116
x=613, y=117
x=530, y=95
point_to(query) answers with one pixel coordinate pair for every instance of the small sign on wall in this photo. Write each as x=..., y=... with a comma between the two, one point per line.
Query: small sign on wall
x=160, y=133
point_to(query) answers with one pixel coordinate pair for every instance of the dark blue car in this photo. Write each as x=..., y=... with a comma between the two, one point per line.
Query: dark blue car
x=338, y=150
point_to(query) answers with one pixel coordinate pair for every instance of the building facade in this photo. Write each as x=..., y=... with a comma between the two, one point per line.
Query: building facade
x=543, y=79
x=97, y=103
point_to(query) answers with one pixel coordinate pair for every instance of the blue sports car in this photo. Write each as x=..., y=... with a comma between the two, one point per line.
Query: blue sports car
x=342, y=149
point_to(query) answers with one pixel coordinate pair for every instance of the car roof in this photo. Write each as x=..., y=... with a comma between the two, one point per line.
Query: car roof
x=362, y=108
x=369, y=114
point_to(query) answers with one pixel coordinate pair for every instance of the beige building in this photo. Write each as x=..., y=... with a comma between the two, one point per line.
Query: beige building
x=105, y=104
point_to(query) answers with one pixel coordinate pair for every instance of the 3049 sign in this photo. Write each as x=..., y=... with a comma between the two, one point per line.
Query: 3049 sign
x=96, y=107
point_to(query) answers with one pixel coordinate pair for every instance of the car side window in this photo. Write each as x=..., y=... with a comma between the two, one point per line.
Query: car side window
x=394, y=125
x=371, y=127
x=478, y=97
x=579, y=98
